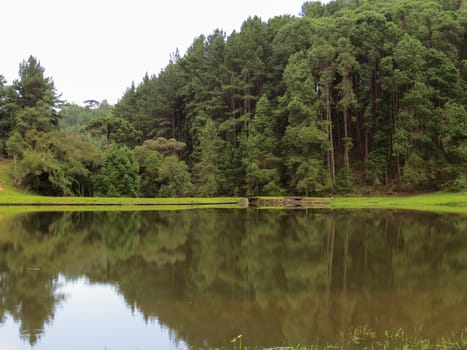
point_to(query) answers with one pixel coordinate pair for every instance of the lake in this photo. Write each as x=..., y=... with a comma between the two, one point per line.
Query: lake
x=198, y=278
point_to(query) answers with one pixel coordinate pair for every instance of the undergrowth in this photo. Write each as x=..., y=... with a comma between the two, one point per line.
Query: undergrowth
x=364, y=338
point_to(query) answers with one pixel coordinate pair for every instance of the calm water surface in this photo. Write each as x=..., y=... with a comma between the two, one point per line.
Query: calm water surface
x=198, y=278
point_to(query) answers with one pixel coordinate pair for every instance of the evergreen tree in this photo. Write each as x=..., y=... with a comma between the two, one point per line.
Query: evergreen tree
x=174, y=178
x=113, y=129
x=208, y=175
x=306, y=135
x=118, y=176
x=35, y=101
x=6, y=116
x=15, y=147
x=258, y=146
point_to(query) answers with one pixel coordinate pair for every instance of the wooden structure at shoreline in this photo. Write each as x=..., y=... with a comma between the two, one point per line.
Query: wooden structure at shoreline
x=286, y=202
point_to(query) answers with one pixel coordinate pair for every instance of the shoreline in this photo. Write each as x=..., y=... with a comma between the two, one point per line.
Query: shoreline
x=437, y=202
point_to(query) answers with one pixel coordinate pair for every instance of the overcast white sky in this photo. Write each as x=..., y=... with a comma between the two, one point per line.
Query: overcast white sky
x=94, y=49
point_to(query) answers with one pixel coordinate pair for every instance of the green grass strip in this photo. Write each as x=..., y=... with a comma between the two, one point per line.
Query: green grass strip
x=438, y=202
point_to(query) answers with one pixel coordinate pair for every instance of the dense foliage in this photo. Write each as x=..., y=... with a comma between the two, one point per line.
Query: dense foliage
x=351, y=96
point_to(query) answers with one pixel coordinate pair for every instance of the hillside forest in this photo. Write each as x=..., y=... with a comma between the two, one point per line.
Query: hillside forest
x=351, y=96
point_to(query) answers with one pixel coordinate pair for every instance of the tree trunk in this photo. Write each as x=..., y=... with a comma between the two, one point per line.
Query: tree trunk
x=16, y=178
x=332, y=164
x=398, y=172
x=173, y=123
x=367, y=141
x=346, y=141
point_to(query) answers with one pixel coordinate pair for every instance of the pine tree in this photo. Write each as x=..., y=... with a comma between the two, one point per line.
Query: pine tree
x=35, y=101
x=258, y=146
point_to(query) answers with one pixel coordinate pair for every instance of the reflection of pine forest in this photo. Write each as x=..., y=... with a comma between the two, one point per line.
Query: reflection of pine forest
x=350, y=96
x=272, y=276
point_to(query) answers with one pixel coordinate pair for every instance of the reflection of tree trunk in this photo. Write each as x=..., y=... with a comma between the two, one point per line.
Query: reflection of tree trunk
x=330, y=254
x=346, y=256
x=365, y=256
x=247, y=274
x=107, y=267
x=173, y=276
x=234, y=274
x=390, y=250
x=398, y=237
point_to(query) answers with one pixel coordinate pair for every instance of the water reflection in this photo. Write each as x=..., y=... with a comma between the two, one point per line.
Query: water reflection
x=100, y=320
x=275, y=277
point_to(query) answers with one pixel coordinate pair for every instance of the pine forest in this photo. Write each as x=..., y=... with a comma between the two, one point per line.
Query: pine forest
x=349, y=97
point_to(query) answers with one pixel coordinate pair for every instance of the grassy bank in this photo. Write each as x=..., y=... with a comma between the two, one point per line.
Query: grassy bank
x=13, y=199
x=364, y=338
x=439, y=202
x=19, y=202
x=11, y=196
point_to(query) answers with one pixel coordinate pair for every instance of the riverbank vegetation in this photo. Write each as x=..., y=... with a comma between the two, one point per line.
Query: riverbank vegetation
x=364, y=338
x=11, y=198
x=348, y=97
